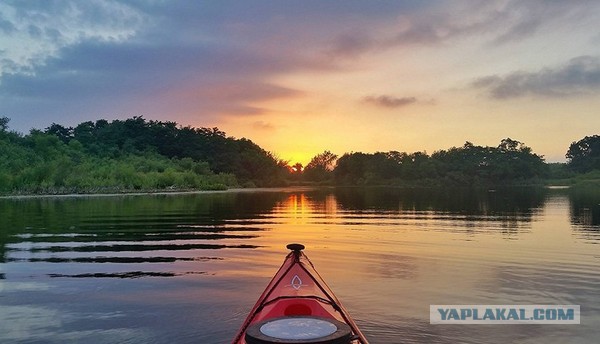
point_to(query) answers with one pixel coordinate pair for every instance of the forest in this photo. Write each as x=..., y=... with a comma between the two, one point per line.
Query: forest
x=136, y=154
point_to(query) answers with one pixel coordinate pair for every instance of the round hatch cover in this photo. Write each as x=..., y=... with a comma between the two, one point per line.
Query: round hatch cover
x=299, y=329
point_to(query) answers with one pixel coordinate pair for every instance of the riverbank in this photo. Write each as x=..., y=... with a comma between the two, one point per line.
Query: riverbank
x=587, y=180
x=590, y=179
x=159, y=192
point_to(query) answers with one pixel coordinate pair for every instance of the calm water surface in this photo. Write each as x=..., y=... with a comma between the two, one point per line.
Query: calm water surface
x=186, y=268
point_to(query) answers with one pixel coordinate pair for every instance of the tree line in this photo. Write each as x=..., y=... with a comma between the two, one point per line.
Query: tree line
x=128, y=155
x=470, y=165
x=139, y=154
x=509, y=163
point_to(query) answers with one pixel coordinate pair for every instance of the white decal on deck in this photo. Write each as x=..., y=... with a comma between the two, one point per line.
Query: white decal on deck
x=296, y=282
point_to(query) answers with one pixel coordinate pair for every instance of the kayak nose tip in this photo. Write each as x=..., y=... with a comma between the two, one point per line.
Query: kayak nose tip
x=295, y=247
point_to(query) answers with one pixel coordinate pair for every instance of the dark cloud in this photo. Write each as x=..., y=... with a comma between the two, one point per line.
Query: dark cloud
x=501, y=22
x=207, y=58
x=34, y=31
x=389, y=101
x=579, y=76
x=351, y=44
x=519, y=31
x=6, y=26
x=519, y=20
x=146, y=76
x=186, y=59
x=418, y=28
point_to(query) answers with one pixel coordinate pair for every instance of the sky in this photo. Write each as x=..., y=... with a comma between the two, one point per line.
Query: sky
x=302, y=77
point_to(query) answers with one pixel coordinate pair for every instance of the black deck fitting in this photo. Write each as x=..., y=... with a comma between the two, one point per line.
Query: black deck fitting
x=295, y=247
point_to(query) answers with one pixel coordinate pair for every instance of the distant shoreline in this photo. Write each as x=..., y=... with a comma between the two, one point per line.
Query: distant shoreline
x=166, y=192
x=158, y=192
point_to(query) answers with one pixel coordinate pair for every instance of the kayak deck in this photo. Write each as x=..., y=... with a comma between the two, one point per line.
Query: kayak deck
x=298, y=297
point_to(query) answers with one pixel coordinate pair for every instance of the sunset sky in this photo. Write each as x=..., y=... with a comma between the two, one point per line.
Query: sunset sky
x=301, y=77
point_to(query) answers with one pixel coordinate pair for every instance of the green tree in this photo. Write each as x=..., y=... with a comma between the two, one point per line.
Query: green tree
x=584, y=155
x=320, y=167
x=508, y=145
x=63, y=133
x=351, y=168
x=297, y=167
x=4, y=123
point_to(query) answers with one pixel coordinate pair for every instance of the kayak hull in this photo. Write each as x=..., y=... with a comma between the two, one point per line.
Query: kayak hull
x=298, y=291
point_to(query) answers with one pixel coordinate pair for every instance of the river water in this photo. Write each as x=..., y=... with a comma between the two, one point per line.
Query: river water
x=187, y=268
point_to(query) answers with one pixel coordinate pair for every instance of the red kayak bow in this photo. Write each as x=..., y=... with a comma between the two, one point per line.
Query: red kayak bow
x=298, y=307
